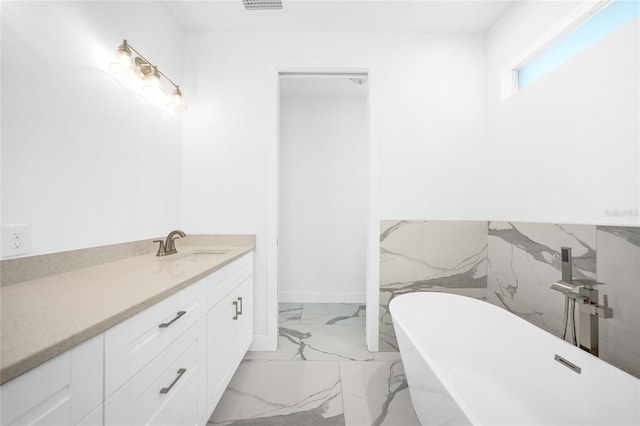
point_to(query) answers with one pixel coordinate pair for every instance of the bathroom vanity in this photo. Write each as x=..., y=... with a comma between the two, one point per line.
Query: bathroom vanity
x=138, y=340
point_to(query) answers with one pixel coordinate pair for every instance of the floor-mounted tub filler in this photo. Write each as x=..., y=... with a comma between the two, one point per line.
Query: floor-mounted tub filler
x=470, y=362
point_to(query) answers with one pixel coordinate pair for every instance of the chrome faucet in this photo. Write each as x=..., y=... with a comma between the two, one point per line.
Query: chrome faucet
x=589, y=308
x=169, y=245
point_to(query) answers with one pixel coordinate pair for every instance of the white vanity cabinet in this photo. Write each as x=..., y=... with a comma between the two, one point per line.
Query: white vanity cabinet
x=165, y=365
x=159, y=363
x=229, y=324
x=66, y=390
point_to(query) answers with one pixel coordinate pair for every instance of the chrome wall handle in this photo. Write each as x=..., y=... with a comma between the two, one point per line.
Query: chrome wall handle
x=240, y=303
x=235, y=310
x=180, y=373
x=167, y=324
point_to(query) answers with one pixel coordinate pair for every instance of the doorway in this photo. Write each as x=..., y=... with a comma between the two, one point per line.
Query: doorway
x=324, y=205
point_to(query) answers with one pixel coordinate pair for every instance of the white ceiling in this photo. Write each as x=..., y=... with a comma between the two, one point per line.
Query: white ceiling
x=467, y=16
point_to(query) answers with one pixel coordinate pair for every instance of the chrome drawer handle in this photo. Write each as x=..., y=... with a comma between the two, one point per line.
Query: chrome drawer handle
x=240, y=303
x=235, y=310
x=180, y=373
x=167, y=324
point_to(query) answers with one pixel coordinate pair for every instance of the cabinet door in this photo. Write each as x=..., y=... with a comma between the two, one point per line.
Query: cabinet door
x=220, y=348
x=94, y=418
x=62, y=391
x=225, y=280
x=244, y=324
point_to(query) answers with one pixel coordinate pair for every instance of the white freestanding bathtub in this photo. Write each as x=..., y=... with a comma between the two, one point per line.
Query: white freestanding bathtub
x=470, y=362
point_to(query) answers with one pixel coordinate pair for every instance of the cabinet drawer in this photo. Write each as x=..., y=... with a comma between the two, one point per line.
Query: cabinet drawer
x=221, y=282
x=132, y=344
x=157, y=392
x=62, y=391
x=189, y=409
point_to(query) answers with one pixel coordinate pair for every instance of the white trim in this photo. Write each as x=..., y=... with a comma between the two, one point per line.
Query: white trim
x=373, y=226
x=271, y=339
x=264, y=343
x=575, y=18
x=295, y=75
x=324, y=297
x=372, y=287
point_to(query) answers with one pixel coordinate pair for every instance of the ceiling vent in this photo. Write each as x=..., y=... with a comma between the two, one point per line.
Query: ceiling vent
x=262, y=4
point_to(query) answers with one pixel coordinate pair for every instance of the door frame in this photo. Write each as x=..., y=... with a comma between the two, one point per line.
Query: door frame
x=372, y=287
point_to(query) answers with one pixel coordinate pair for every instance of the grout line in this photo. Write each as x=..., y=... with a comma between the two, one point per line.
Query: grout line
x=344, y=406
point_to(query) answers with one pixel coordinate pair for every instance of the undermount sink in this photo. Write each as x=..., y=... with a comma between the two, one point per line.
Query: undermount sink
x=195, y=256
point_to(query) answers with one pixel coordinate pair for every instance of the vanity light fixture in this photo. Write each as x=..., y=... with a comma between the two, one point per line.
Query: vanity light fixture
x=124, y=63
x=153, y=86
x=177, y=103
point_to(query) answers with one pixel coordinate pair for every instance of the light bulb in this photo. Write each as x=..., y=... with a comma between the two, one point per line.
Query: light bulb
x=177, y=101
x=123, y=63
x=152, y=84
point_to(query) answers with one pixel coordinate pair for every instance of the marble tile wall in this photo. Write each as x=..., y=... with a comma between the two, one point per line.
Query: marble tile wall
x=524, y=260
x=512, y=265
x=449, y=256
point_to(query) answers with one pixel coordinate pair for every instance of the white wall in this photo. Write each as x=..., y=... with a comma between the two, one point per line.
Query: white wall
x=428, y=126
x=565, y=149
x=86, y=159
x=323, y=209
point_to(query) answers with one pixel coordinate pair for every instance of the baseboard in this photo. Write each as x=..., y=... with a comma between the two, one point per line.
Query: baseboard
x=263, y=343
x=318, y=297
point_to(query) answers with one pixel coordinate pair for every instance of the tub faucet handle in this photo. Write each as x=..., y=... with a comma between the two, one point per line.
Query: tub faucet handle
x=566, y=264
x=604, y=311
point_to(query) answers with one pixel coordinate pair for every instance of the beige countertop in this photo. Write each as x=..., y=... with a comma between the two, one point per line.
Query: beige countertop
x=44, y=317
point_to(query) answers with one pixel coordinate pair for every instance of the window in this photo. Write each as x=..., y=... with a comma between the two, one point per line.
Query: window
x=582, y=34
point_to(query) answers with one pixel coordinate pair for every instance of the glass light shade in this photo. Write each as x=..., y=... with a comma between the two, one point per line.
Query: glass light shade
x=152, y=84
x=177, y=101
x=123, y=63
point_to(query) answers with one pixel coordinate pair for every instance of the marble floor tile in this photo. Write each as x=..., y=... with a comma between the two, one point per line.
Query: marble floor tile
x=333, y=313
x=289, y=313
x=282, y=393
x=341, y=384
x=387, y=356
x=376, y=393
x=319, y=343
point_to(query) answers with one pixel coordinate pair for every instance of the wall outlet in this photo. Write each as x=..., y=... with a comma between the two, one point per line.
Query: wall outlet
x=16, y=240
